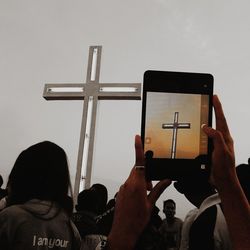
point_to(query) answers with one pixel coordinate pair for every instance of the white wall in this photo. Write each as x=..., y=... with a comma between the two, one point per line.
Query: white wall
x=48, y=40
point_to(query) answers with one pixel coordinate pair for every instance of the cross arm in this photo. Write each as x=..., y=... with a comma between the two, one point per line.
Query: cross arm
x=184, y=125
x=168, y=125
x=176, y=125
x=122, y=91
x=64, y=91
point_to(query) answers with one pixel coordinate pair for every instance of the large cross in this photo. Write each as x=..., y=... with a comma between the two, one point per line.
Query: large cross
x=91, y=91
x=175, y=126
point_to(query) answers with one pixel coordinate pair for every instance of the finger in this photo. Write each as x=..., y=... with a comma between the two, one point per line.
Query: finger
x=139, y=161
x=138, y=174
x=158, y=190
x=149, y=185
x=139, y=155
x=221, y=123
x=217, y=137
x=139, y=158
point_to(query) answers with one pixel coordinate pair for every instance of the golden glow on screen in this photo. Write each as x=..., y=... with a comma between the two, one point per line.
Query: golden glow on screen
x=160, y=109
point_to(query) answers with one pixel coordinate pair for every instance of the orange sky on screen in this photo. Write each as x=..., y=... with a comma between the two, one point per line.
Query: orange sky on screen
x=160, y=109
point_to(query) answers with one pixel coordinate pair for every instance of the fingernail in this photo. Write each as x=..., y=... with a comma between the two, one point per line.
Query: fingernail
x=203, y=125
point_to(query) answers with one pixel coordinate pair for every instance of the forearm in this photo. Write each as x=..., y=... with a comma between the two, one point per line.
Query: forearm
x=237, y=213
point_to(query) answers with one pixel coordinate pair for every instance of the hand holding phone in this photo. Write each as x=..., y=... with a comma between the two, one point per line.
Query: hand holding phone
x=174, y=107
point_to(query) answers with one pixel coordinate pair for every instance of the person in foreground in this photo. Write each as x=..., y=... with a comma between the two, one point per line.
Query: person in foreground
x=39, y=208
x=134, y=205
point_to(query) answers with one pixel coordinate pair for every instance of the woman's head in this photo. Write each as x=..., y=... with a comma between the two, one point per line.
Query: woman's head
x=40, y=172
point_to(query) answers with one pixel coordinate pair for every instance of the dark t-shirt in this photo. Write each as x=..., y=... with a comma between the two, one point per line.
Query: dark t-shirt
x=85, y=222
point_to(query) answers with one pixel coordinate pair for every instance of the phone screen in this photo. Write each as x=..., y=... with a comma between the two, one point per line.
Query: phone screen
x=173, y=125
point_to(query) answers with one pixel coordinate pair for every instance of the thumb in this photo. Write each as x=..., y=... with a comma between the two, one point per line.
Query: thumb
x=158, y=190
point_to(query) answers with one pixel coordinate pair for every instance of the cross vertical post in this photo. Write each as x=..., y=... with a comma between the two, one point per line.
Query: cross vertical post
x=86, y=142
x=90, y=92
x=175, y=126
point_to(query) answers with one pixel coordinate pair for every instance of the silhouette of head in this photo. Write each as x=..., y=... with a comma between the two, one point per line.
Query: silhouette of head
x=195, y=187
x=1, y=180
x=169, y=208
x=86, y=201
x=243, y=173
x=101, y=196
x=149, y=154
x=40, y=172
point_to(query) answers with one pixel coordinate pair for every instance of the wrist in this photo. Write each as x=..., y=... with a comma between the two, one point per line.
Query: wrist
x=227, y=180
x=228, y=185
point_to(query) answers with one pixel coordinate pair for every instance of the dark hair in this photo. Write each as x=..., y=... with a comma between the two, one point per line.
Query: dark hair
x=195, y=183
x=86, y=201
x=243, y=174
x=1, y=180
x=169, y=200
x=40, y=172
x=101, y=193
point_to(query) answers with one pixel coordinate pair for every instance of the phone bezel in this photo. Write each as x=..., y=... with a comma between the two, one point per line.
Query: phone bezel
x=176, y=82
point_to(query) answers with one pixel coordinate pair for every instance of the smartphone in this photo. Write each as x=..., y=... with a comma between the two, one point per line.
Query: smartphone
x=174, y=107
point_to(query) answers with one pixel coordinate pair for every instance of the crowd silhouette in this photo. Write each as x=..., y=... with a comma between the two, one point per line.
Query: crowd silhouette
x=37, y=210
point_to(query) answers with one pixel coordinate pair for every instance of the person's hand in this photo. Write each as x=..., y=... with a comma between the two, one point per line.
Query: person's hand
x=235, y=205
x=133, y=205
x=223, y=160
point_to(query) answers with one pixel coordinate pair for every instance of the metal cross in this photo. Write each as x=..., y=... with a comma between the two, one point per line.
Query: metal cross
x=90, y=92
x=175, y=126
